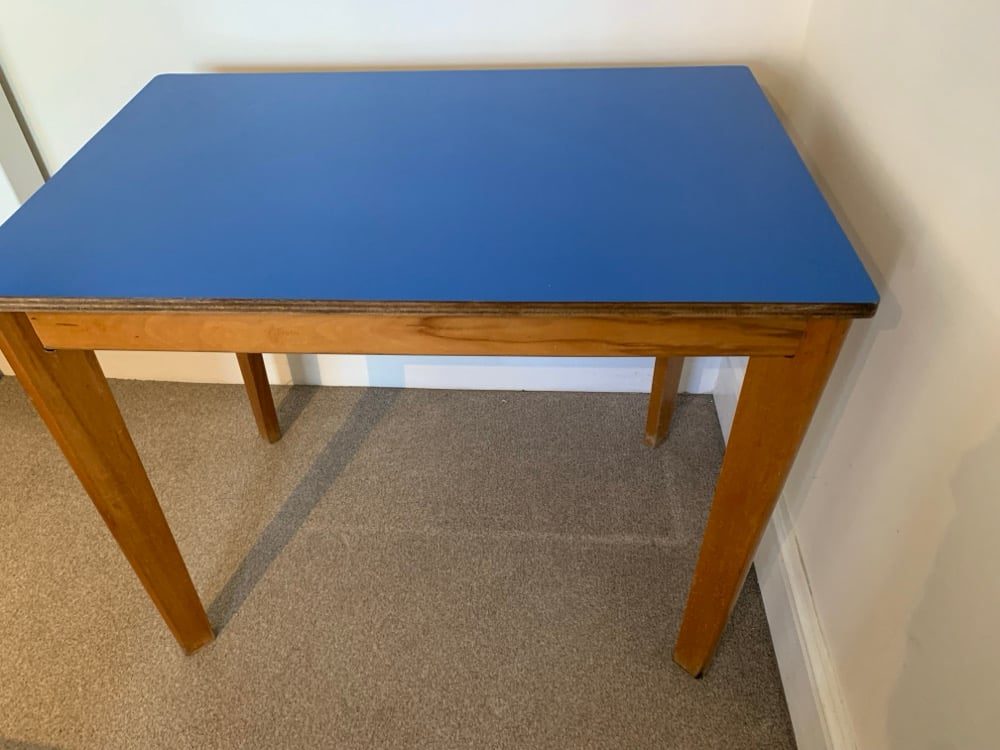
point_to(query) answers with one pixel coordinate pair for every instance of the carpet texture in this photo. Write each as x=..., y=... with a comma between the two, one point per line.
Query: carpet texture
x=405, y=569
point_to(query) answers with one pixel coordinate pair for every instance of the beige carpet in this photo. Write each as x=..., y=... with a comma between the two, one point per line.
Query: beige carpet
x=405, y=569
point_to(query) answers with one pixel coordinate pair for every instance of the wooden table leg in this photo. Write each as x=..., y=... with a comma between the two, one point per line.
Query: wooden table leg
x=259, y=391
x=70, y=392
x=776, y=403
x=662, y=396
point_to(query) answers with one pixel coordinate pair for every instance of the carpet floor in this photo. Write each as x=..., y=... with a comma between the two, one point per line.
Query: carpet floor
x=404, y=569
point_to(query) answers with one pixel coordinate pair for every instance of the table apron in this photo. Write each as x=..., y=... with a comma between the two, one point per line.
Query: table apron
x=511, y=335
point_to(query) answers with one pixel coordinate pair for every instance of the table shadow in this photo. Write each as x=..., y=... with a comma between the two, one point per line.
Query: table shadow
x=293, y=403
x=369, y=410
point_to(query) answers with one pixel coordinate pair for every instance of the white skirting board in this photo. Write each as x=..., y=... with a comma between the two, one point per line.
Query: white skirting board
x=812, y=687
x=610, y=374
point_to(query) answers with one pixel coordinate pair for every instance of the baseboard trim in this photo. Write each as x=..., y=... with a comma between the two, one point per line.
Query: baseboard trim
x=592, y=374
x=812, y=687
x=813, y=690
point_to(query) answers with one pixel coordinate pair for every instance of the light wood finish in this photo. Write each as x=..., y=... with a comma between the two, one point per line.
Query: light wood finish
x=775, y=406
x=662, y=397
x=418, y=334
x=72, y=396
x=790, y=360
x=259, y=392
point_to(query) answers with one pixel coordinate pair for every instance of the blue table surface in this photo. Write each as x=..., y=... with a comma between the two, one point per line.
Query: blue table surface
x=563, y=185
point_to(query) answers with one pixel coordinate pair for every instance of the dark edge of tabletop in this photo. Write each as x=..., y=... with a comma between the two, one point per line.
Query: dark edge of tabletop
x=442, y=308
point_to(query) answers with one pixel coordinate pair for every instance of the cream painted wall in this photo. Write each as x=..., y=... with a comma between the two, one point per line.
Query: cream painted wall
x=895, y=498
x=73, y=65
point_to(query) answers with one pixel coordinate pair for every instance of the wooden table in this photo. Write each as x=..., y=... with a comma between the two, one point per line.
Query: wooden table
x=581, y=212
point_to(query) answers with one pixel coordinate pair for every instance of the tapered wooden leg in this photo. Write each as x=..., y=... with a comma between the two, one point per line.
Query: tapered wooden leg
x=662, y=396
x=70, y=392
x=259, y=391
x=776, y=403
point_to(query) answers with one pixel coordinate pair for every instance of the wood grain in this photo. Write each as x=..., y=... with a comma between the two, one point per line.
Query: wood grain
x=662, y=397
x=259, y=392
x=424, y=308
x=418, y=334
x=775, y=406
x=72, y=396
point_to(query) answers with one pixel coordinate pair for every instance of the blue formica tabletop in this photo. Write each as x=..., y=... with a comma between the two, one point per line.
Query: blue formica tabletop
x=628, y=185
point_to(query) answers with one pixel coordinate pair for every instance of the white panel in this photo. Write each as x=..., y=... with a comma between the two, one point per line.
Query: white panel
x=8, y=205
x=533, y=378
x=189, y=367
x=21, y=175
x=727, y=390
x=813, y=690
x=319, y=369
x=203, y=367
x=617, y=374
x=477, y=373
x=8, y=198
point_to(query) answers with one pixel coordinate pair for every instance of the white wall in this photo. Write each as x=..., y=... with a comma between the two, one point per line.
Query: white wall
x=73, y=65
x=894, y=503
x=892, y=508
